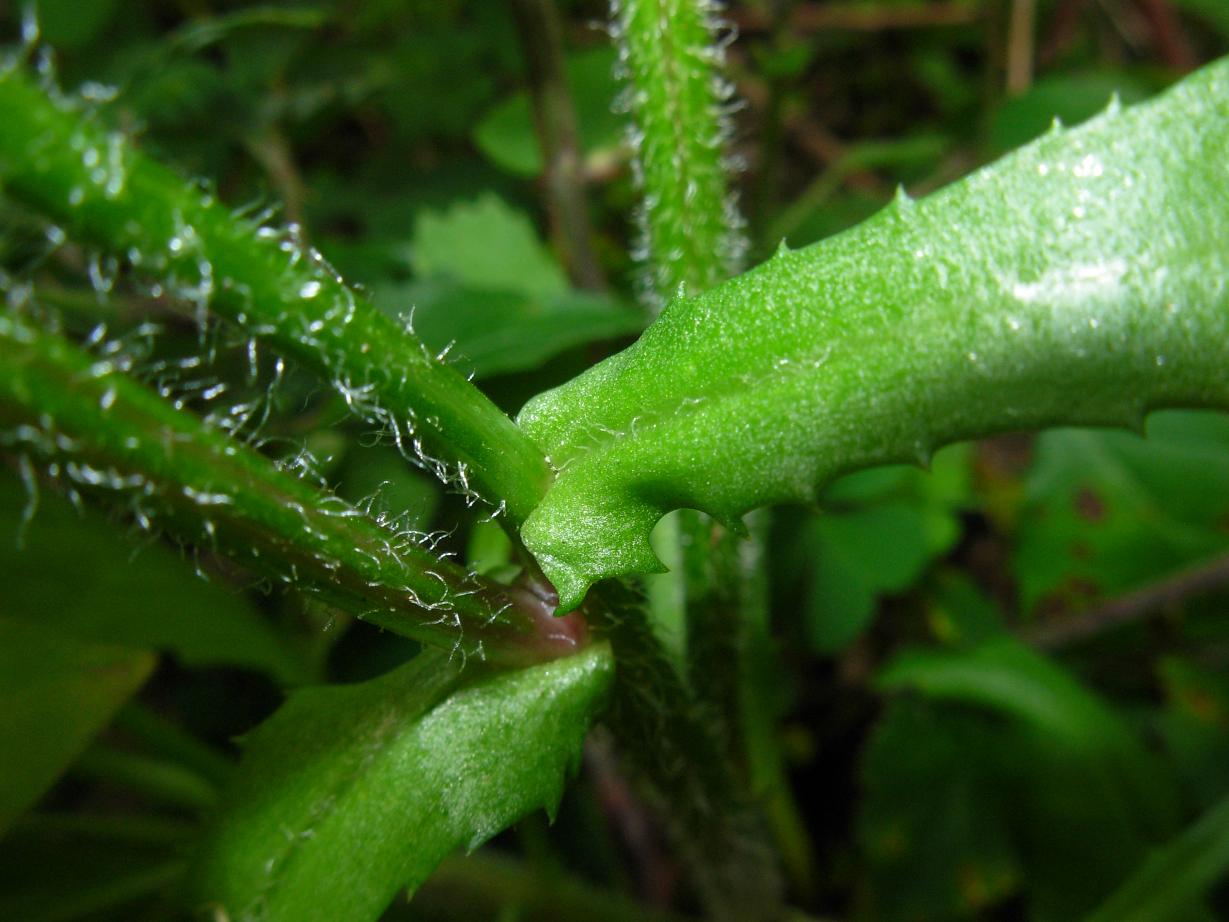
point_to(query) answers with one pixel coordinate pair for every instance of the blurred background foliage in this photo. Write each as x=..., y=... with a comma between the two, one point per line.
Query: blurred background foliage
x=1006, y=679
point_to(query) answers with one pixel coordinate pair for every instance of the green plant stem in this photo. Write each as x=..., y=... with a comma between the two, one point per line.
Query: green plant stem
x=692, y=239
x=691, y=234
x=669, y=741
x=555, y=118
x=62, y=163
x=99, y=430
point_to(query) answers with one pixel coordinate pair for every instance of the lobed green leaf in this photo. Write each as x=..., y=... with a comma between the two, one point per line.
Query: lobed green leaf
x=1079, y=281
x=351, y=793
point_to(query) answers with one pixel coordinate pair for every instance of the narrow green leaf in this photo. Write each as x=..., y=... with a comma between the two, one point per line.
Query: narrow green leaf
x=1079, y=281
x=1174, y=877
x=63, y=164
x=349, y=794
x=143, y=596
x=56, y=693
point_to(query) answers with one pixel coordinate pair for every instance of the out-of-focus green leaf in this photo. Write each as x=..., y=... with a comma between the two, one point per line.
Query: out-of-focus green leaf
x=71, y=24
x=1107, y=511
x=1175, y=877
x=1214, y=12
x=56, y=693
x=1071, y=98
x=1082, y=796
x=901, y=519
x=54, y=868
x=1194, y=727
x=494, y=332
x=143, y=597
x=485, y=244
x=490, y=289
x=350, y=793
x=949, y=853
x=863, y=555
x=1004, y=676
x=506, y=134
x=958, y=612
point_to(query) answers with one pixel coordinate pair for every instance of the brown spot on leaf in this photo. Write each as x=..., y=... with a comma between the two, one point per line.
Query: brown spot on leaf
x=1089, y=506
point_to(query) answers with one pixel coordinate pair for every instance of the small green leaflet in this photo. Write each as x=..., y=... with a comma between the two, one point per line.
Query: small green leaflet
x=350, y=793
x=492, y=295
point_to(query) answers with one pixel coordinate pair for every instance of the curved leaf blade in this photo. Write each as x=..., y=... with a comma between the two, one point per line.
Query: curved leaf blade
x=350, y=793
x=145, y=600
x=56, y=694
x=1079, y=281
x=1175, y=876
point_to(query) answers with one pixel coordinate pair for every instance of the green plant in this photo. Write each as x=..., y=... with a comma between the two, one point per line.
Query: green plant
x=1078, y=281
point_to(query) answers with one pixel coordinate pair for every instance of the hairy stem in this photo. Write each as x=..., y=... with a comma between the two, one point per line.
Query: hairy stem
x=690, y=230
x=62, y=163
x=99, y=430
x=691, y=240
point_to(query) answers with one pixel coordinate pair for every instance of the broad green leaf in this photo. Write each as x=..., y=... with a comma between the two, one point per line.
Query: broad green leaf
x=900, y=520
x=507, y=135
x=1107, y=512
x=485, y=244
x=950, y=853
x=1004, y=675
x=1046, y=289
x=863, y=555
x=493, y=296
x=56, y=694
x=1070, y=98
x=1194, y=727
x=351, y=793
x=139, y=595
x=489, y=331
x=1176, y=876
x=1080, y=794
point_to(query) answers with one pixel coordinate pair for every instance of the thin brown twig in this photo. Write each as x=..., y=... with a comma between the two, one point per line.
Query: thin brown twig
x=1134, y=606
x=1168, y=37
x=1021, y=46
x=540, y=31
